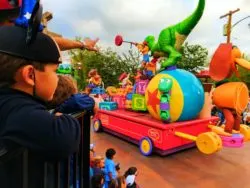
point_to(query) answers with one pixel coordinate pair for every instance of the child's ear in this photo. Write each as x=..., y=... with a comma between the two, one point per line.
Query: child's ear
x=27, y=75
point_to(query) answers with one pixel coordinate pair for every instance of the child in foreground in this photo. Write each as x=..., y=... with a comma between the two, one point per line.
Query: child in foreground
x=28, y=80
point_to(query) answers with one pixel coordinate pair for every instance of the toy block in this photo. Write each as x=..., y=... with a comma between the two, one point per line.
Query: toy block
x=139, y=103
x=141, y=86
x=120, y=100
x=129, y=96
x=108, y=106
x=98, y=90
x=128, y=104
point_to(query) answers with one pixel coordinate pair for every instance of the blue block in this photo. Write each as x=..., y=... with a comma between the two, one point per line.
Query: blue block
x=98, y=90
x=129, y=96
x=108, y=106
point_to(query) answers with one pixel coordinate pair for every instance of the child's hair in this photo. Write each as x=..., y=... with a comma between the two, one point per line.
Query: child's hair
x=130, y=171
x=110, y=153
x=97, y=160
x=65, y=88
x=96, y=181
x=10, y=65
x=112, y=184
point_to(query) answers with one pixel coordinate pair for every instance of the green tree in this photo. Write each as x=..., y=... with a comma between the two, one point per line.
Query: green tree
x=194, y=57
x=108, y=63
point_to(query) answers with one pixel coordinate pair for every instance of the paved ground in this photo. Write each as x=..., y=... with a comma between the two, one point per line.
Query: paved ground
x=229, y=168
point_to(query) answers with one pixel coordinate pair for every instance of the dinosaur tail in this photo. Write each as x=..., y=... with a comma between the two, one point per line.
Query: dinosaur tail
x=186, y=26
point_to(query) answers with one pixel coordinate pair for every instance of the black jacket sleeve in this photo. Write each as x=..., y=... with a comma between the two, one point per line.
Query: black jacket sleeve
x=40, y=131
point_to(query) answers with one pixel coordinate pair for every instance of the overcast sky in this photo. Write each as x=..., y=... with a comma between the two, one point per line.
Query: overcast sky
x=135, y=19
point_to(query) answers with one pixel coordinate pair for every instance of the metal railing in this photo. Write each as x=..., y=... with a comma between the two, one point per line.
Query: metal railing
x=63, y=169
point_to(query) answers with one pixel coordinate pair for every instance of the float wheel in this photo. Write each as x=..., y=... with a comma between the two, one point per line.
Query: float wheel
x=208, y=142
x=146, y=146
x=245, y=130
x=97, y=125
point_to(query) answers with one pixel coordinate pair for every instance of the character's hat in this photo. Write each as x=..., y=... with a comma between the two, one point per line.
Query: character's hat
x=42, y=49
x=122, y=76
x=29, y=43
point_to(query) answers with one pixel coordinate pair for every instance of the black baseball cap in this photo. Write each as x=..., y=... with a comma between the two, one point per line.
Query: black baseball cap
x=42, y=49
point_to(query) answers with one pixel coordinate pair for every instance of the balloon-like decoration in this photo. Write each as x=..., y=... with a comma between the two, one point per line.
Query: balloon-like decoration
x=26, y=13
x=119, y=40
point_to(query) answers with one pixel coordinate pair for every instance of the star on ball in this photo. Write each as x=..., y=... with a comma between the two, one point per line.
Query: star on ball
x=27, y=15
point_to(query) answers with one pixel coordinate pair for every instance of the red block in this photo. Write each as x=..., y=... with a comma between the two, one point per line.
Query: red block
x=120, y=100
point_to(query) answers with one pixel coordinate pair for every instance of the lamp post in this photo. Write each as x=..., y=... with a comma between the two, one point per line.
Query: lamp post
x=228, y=27
x=229, y=23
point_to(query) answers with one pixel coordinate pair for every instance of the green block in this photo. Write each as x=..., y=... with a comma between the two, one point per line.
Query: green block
x=138, y=103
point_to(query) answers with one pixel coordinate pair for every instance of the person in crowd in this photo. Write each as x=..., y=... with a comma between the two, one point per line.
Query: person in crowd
x=130, y=177
x=97, y=181
x=67, y=99
x=110, y=167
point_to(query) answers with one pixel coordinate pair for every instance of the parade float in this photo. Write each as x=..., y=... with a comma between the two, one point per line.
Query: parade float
x=230, y=97
x=161, y=111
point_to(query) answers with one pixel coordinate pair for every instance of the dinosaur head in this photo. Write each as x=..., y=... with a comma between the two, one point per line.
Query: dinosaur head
x=150, y=41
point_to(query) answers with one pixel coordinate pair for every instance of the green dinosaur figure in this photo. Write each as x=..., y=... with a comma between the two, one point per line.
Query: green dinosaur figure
x=171, y=38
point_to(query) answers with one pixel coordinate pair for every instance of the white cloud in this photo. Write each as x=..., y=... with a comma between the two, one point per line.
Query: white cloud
x=135, y=19
x=88, y=27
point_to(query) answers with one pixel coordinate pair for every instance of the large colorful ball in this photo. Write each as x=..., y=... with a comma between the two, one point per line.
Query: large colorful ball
x=187, y=95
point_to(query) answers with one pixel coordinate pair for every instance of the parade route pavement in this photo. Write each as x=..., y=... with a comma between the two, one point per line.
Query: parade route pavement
x=229, y=168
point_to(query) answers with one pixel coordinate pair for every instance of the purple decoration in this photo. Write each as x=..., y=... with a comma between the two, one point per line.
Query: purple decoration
x=164, y=106
x=171, y=68
x=91, y=86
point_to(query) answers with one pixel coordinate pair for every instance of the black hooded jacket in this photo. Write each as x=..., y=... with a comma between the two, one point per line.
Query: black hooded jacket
x=25, y=123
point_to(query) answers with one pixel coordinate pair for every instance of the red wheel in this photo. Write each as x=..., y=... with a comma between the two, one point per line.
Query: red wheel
x=118, y=40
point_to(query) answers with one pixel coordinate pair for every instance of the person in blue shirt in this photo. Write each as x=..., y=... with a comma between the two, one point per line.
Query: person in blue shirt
x=110, y=167
x=67, y=100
